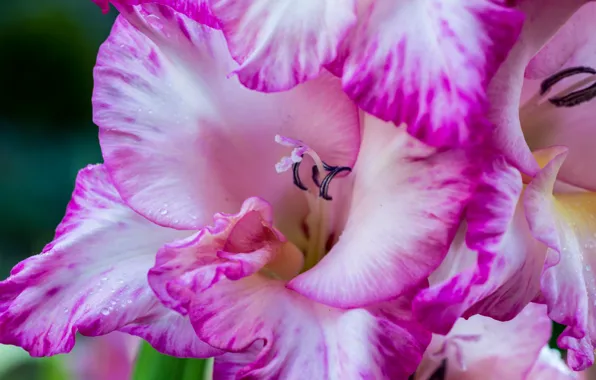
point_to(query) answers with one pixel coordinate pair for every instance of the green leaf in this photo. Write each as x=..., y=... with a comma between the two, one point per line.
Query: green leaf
x=151, y=365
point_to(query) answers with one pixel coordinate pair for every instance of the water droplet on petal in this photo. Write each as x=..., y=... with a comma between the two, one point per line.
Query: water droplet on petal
x=163, y=212
x=105, y=311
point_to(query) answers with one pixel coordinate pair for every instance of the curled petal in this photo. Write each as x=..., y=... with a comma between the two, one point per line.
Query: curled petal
x=234, y=247
x=182, y=141
x=92, y=279
x=405, y=209
x=485, y=273
x=226, y=280
x=281, y=43
x=566, y=223
x=408, y=62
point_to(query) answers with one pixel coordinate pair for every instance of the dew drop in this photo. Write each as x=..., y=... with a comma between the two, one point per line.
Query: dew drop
x=163, y=212
x=65, y=310
x=105, y=311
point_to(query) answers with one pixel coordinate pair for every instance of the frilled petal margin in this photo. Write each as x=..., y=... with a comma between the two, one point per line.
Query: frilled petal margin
x=281, y=43
x=566, y=223
x=197, y=10
x=407, y=62
x=485, y=274
x=183, y=142
x=483, y=348
x=237, y=303
x=92, y=279
x=405, y=209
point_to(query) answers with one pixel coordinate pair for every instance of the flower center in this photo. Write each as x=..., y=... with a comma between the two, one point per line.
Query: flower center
x=317, y=197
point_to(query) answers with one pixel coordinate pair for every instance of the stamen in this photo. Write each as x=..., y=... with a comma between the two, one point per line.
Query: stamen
x=294, y=160
x=315, y=175
x=324, y=188
x=575, y=98
x=554, y=79
x=297, y=181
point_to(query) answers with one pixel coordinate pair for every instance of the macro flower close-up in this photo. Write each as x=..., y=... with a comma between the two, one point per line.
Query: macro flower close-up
x=333, y=189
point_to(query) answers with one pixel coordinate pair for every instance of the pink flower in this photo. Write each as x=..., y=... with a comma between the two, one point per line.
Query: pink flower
x=403, y=61
x=482, y=348
x=279, y=273
x=540, y=244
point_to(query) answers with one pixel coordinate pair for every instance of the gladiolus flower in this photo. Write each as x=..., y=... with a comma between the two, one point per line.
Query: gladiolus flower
x=288, y=229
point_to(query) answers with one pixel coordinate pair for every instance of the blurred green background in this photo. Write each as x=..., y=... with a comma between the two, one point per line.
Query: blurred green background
x=47, y=53
x=48, y=50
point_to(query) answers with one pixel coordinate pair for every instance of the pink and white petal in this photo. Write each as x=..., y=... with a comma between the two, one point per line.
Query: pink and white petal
x=566, y=223
x=571, y=46
x=169, y=333
x=305, y=339
x=543, y=19
x=235, y=246
x=406, y=207
x=182, y=141
x=226, y=366
x=551, y=366
x=91, y=279
x=546, y=125
x=484, y=272
x=281, y=43
x=273, y=331
x=198, y=10
x=409, y=61
x=483, y=348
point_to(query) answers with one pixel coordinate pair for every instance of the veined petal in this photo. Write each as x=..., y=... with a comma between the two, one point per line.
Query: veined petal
x=92, y=279
x=197, y=10
x=305, y=339
x=483, y=348
x=544, y=124
x=281, y=43
x=226, y=280
x=183, y=142
x=544, y=18
x=486, y=273
x=235, y=246
x=566, y=223
x=405, y=210
x=409, y=61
